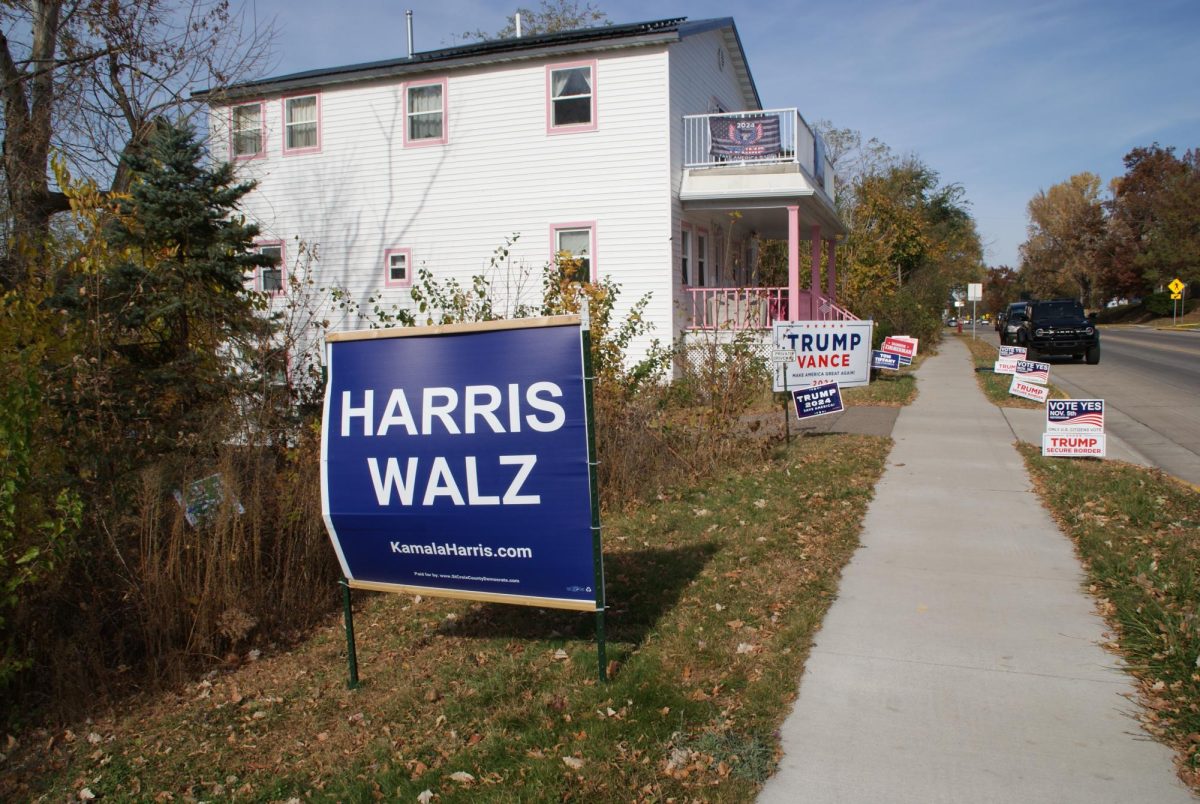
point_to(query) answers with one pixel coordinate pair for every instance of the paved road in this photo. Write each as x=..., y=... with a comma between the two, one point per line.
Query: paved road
x=1150, y=380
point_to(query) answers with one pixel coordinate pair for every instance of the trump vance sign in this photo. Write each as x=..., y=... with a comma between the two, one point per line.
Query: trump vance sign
x=826, y=351
x=454, y=462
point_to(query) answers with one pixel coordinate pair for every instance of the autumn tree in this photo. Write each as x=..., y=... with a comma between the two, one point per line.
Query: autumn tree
x=1153, y=230
x=552, y=16
x=91, y=81
x=1001, y=287
x=1064, y=236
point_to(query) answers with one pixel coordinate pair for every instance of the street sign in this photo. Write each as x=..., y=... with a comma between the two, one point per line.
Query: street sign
x=454, y=462
x=975, y=291
x=1176, y=286
x=1176, y=296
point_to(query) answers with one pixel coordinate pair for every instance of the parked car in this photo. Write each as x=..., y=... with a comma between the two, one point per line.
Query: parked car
x=952, y=322
x=1014, y=316
x=1059, y=327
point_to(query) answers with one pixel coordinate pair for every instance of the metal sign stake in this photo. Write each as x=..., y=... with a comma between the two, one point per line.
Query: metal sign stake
x=594, y=486
x=351, y=651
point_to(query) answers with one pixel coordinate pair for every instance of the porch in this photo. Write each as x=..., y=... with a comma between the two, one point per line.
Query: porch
x=751, y=177
x=738, y=309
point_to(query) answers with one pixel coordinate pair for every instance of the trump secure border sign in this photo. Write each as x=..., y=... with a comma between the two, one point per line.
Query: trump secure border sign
x=454, y=462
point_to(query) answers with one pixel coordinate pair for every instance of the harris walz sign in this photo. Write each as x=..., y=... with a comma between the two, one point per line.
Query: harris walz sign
x=745, y=137
x=455, y=462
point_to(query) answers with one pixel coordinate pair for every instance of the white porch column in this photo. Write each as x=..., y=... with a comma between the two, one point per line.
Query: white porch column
x=831, y=270
x=793, y=263
x=814, y=296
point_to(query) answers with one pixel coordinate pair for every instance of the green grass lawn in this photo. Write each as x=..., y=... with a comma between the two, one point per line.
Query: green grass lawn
x=1135, y=529
x=714, y=594
x=995, y=386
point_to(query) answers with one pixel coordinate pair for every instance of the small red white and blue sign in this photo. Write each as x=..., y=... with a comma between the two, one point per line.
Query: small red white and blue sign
x=1075, y=415
x=818, y=400
x=885, y=360
x=1013, y=351
x=1033, y=371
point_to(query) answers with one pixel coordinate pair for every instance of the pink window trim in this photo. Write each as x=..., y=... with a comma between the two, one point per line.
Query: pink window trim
x=555, y=228
x=702, y=231
x=684, y=226
x=283, y=274
x=578, y=127
x=387, y=268
x=445, y=113
x=262, y=121
x=283, y=118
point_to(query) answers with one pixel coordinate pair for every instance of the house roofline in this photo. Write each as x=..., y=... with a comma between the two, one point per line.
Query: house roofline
x=495, y=51
x=479, y=53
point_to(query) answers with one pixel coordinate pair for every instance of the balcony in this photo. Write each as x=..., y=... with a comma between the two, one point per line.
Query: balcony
x=771, y=137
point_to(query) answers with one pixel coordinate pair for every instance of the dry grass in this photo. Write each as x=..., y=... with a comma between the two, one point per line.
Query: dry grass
x=715, y=593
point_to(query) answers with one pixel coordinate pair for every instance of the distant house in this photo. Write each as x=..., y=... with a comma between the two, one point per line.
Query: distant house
x=642, y=149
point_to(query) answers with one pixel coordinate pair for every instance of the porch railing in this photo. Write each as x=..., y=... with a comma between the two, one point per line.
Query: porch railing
x=736, y=309
x=758, y=137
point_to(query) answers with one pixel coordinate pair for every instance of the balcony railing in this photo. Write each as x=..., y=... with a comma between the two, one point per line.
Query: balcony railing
x=770, y=136
x=738, y=309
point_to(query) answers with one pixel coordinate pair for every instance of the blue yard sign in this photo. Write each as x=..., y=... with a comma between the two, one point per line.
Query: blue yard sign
x=818, y=400
x=454, y=462
x=885, y=360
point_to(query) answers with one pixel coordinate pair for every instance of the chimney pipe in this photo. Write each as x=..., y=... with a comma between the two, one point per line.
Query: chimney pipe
x=518, y=24
x=408, y=23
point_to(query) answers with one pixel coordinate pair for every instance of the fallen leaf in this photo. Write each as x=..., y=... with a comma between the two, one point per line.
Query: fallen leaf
x=745, y=647
x=574, y=763
x=560, y=655
x=462, y=777
x=425, y=796
x=735, y=624
x=86, y=794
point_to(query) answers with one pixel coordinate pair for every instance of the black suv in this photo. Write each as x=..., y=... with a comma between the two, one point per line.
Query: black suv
x=1011, y=320
x=1058, y=327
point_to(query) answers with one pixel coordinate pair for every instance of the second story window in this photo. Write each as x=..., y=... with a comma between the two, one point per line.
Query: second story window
x=572, y=96
x=396, y=267
x=300, y=117
x=247, y=129
x=426, y=111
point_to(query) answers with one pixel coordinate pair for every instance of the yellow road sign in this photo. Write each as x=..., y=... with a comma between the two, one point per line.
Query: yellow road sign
x=1176, y=295
x=1176, y=286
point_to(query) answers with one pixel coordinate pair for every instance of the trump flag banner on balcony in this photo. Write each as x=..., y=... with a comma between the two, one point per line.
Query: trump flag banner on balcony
x=454, y=462
x=746, y=137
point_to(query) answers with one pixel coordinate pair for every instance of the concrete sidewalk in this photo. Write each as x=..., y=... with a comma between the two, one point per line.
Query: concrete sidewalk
x=960, y=661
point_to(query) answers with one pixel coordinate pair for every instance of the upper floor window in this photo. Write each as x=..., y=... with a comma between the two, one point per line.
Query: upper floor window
x=571, y=96
x=270, y=277
x=426, y=112
x=574, y=240
x=301, y=124
x=247, y=130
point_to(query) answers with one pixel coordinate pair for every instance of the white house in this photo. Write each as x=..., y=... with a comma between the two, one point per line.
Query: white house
x=642, y=148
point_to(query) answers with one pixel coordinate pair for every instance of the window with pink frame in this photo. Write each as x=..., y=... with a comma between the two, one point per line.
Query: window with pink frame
x=425, y=112
x=301, y=124
x=571, y=97
x=397, y=268
x=270, y=279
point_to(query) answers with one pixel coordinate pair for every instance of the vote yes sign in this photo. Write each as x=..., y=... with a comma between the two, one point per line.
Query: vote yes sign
x=454, y=461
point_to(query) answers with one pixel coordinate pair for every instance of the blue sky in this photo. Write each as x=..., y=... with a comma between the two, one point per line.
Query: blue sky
x=1004, y=99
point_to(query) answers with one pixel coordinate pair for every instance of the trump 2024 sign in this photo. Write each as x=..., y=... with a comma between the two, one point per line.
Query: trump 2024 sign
x=454, y=462
x=825, y=352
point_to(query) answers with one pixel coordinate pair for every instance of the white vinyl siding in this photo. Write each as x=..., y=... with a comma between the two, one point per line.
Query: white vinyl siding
x=498, y=175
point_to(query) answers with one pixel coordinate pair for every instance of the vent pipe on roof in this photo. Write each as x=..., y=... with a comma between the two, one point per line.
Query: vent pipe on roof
x=518, y=24
x=408, y=23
